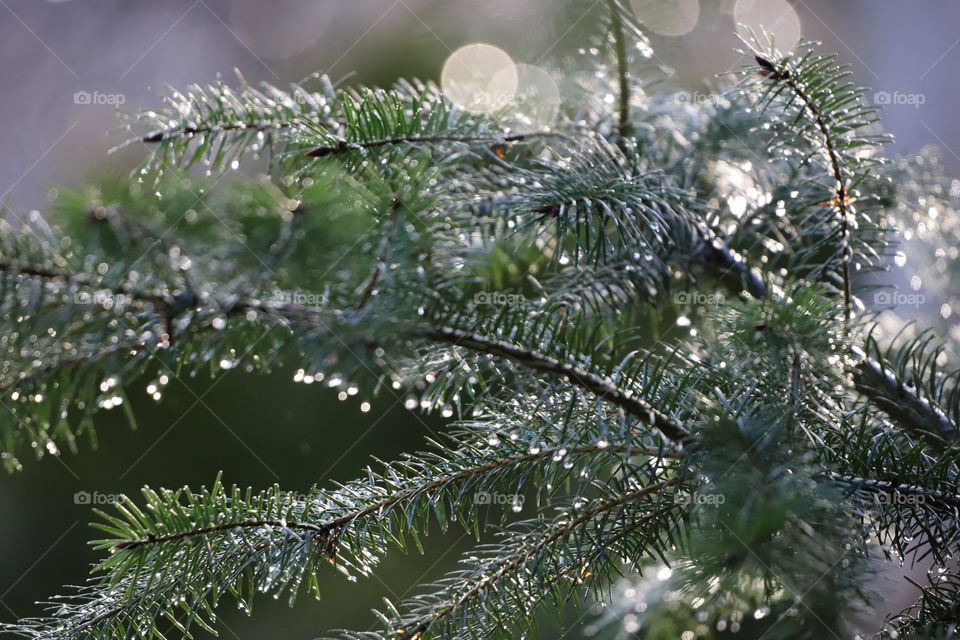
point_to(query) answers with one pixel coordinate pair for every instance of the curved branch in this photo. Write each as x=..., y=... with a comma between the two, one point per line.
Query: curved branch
x=903, y=404
x=889, y=487
x=252, y=125
x=348, y=147
x=729, y=267
x=560, y=530
x=600, y=387
x=623, y=70
x=332, y=526
x=841, y=199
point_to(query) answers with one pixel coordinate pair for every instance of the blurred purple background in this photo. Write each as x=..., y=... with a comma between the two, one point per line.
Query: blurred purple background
x=53, y=49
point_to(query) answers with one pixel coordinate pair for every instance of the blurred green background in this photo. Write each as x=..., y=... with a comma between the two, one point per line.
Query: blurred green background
x=258, y=431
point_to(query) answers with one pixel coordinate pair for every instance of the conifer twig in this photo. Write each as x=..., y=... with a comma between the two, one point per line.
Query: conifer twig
x=890, y=487
x=532, y=359
x=625, y=126
x=840, y=201
x=903, y=404
x=343, y=146
x=331, y=526
x=559, y=531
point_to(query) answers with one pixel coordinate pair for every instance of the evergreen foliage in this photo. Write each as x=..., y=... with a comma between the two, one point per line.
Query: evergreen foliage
x=743, y=465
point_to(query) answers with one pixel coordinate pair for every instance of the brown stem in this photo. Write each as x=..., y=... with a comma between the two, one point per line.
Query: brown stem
x=190, y=131
x=512, y=563
x=332, y=525
x=841, y=199
x=890, y=487
x=365, y=292
x=623, y=70
x=537, y=361
x=347, y=147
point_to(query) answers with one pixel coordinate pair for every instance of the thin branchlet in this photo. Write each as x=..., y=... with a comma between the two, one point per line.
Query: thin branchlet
x=344, y=147
x=562, y=529
x=369, y=287
x=326, y=527
x=903, y=404
x=537, y=361
x=781, y=73
x=624, y=123
x=892, y=488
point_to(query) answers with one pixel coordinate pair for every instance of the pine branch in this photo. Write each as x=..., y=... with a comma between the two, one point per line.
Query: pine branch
x=343, y=147
x=502, y=581
x=830, y=114
x=350, y=526
x=905, y=382
x=15, y=268
x=893, y=489
x=378, y=508
x=903, y=404
x=535, y=360
x=623, y=69
x=727, y=265
x=935, y=614
x=589, y=389
x=218, y=125
x=783, y=74
x=904, y=494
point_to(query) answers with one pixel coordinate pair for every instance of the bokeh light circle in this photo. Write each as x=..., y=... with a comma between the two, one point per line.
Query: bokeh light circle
x=480, y=78
x=537, y=99
x=667, y=17
x=775, y=18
